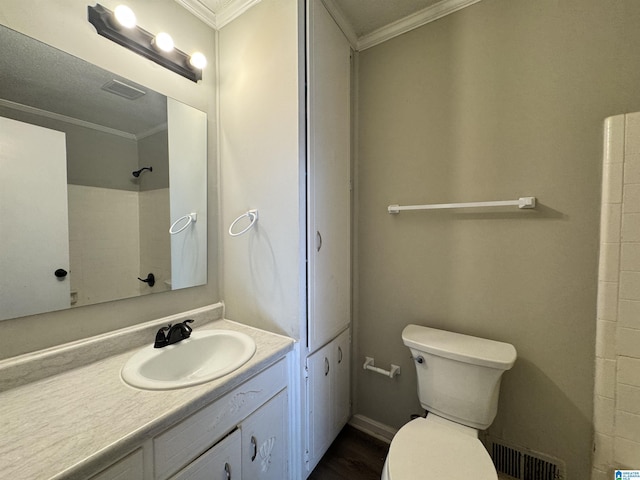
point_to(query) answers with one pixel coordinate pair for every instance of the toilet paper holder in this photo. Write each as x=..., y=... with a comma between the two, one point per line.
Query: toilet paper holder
x=369, y=365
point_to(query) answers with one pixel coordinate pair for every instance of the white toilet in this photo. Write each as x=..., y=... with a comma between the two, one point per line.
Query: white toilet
x=458, y=384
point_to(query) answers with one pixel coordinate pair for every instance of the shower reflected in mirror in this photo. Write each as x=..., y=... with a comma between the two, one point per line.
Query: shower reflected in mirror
x=138, y=172
x=112, y=218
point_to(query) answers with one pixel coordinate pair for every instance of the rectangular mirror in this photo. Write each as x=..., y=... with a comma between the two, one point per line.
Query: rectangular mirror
x=95, y=170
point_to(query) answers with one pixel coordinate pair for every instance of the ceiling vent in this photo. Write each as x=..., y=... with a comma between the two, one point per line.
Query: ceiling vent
x=123, y=90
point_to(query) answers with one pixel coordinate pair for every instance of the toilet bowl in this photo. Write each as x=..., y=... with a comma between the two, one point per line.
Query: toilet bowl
x=458, y=385
x=436, y=448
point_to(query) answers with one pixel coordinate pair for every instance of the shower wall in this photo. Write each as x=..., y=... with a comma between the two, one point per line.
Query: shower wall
x=155, y=241
x=617, y=385
x=104, y=244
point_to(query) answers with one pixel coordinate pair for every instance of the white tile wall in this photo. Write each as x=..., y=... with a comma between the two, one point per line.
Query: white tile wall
x=104, y=244
x=617, y=384
x=630, y=256
x=630, y=227
x=606, y=340
x=629, y=371
x=625, y=453
x=628, y=398
x=629, y=313
x=603, y=451
x=155, y=241
x=632, y=169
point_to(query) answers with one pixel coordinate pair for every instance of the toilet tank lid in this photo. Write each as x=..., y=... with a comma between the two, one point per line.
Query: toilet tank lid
x=464, y=348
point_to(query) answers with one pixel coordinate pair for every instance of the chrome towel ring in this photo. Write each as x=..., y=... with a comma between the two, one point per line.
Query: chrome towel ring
x=252, y=215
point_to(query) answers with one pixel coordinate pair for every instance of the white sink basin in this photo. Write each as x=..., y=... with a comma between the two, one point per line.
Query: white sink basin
x=204, y=356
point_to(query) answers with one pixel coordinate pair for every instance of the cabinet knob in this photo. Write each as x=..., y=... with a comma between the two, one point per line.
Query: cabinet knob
x=319, y=241
x=227, y=471
x=326, y=366
x=339, y=354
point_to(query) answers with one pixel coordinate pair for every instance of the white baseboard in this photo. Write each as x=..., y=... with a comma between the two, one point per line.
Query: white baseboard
x=371, y=427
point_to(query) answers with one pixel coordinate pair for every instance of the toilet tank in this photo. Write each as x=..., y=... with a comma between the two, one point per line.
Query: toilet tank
x=458, y=375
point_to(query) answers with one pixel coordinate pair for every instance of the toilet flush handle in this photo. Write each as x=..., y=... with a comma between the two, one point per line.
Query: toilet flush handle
x=419, y=359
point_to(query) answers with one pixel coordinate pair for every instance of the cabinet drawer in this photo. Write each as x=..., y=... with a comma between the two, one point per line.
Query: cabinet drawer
x=179, y=445
x=129, y=467
x=221, y=462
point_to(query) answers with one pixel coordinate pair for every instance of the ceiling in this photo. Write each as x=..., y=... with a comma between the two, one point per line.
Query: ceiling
x=365, y=23
x=366, y=16
x=71, y=89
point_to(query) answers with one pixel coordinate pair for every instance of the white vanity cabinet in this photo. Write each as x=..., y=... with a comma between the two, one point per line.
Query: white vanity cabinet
x=130, y=467
x=256, y=449
x=328, y=394
x=242, y=434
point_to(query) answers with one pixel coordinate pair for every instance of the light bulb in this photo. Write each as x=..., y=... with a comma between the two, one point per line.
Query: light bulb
x=198, y=60
x=163, y=41
x=125, y=16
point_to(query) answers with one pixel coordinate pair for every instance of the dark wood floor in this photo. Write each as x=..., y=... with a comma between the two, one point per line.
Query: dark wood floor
x=354, y=456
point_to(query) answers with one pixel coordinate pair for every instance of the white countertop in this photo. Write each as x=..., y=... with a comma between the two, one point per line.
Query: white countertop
x=72, y=424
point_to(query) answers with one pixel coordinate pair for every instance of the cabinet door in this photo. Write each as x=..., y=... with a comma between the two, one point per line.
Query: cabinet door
x=329, y=178
x=264, y=441
x=128, y=468
x=342, y=381
x=320, y=403
x=328, y=394
x=221, y=462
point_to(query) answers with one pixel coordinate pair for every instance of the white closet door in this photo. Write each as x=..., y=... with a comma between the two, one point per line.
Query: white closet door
x=329, y=174
x=34, y=229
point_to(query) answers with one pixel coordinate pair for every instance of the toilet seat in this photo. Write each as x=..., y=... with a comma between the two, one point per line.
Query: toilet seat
x=435, y=448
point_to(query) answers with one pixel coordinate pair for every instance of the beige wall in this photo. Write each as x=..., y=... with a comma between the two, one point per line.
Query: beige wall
x=617, y=387
x=263, y=276
x=63, y=24
x=503, y=99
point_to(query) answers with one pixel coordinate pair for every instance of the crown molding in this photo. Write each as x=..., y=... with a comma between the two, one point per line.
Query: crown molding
x=152, y=131
x=343, y=23
x=237, y=7
x=233, y=11
x=404, y=25
x=218, y=20
x=201, y=11
x=63, y=118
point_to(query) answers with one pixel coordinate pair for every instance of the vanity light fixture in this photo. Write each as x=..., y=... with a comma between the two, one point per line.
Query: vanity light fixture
x=164, y=42
x=120, y=27
x=125, y=16
x=198, y=60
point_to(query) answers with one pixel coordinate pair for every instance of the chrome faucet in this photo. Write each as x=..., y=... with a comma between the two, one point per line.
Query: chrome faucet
x=174, y=334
